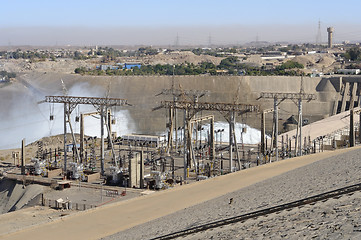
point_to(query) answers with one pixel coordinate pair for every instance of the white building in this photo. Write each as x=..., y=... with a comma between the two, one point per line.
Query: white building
x=349, y=71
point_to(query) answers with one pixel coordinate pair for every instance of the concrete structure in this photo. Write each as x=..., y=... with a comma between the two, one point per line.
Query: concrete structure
x=152, y=140
x=330, y=31
x=136, y=171
x=326, y=128
x=141, y=92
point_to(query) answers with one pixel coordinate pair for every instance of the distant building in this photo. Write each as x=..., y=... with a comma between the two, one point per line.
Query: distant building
x=221, y=71
x=119, y=66
x=349, y=71
x=131, y=65
x=106, y=67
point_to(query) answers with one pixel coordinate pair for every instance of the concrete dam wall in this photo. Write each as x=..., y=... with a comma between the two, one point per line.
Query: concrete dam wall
x=141, y=92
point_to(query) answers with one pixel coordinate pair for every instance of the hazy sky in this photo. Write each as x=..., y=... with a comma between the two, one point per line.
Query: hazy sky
x=89, y=22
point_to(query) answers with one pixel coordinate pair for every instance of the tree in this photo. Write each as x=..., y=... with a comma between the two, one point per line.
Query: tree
x=353, y=54
x=228, y=62
x=290, y=65
x=80, y=70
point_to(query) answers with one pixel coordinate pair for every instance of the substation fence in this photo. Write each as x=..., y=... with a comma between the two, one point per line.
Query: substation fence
x=67, y=205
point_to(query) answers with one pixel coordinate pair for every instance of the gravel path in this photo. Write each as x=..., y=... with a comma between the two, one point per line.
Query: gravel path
x=321, y=176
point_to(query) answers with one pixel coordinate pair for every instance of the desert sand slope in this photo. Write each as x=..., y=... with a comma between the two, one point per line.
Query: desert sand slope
x=333, y=219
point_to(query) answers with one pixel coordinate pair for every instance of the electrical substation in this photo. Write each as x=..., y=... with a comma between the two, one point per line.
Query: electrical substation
x=254, y=141
x=191, y=148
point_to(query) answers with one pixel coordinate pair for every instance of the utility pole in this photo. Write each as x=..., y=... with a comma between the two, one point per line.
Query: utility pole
x=231, y=120
x=185, y=143
x=109, y=128
x=299, y=128
x=102, y=140
x=65, y=132
x=141, y=182
x=82, y=133
x=23, y=157
x=359, y=131
x=352, y=129
x=275, y=119
x=263, y=130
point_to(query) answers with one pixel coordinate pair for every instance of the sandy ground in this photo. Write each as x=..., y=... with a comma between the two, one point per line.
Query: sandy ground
x=333, y=172
x=67, y=65
x=14, y=196
x=107, y=220
x=334, y=219
x=25, y=218
x=320, y=62
x=91, y=196
x=31, y=216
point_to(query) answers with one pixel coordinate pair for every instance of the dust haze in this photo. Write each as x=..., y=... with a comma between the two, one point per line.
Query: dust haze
x=194, y=35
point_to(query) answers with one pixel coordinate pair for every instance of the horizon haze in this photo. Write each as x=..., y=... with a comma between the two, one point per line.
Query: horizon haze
x=161, y=22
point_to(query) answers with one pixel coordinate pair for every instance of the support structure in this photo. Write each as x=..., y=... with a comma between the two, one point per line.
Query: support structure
x=23, y=157
x=263, y=130
x=82, y=134
x=231, y=140
x=280, y=97
x=275, y=120
x=359, y=128
x=193, y=95
x=211, y=140
x=185, y=145
x=70, y=103
x=352, y=129
x=141, y=183
x=191, y=108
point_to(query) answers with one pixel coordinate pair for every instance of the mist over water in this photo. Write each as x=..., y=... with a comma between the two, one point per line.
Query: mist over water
x=251, y=136
x=25, y=118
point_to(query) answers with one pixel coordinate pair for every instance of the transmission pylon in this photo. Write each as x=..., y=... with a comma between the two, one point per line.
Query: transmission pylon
x=297, y=99
x=70, y=103
x=319, y=36
x=210, y=41
x=176, y=44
